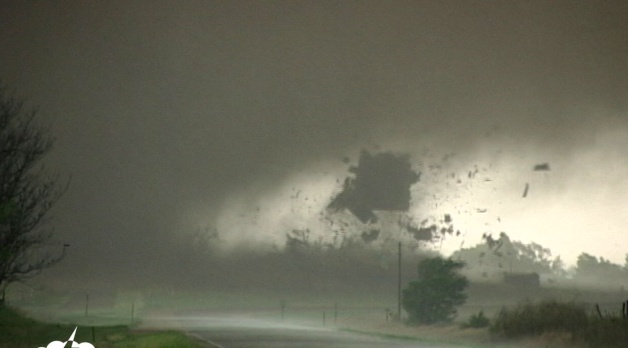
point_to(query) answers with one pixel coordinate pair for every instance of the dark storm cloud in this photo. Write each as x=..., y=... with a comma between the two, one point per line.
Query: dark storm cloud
x=162, y=107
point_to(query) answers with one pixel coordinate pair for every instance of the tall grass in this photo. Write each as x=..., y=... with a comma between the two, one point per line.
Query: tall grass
x=607, y=331
x=536, y=319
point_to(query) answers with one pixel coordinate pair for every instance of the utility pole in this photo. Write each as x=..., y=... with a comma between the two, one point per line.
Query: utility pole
x=399, y=286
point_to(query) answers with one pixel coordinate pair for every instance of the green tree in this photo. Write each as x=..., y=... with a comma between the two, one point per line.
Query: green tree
x=26, y=195
x=434, y=296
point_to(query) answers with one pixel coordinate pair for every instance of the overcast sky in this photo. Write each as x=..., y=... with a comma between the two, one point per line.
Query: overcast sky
x=171, y=116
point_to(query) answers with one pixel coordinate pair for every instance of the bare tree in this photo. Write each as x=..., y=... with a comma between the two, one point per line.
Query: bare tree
x=26, y=195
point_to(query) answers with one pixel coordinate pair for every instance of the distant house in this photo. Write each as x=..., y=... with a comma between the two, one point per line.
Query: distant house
x=529, y=280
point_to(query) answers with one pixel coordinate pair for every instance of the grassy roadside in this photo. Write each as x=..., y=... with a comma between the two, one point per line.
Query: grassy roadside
x=449, y=335
x=452, y=335
x=439, y=338
x=17, y=330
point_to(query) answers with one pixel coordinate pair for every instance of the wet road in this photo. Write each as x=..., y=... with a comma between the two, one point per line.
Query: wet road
x=285, y=337
x=255, y=333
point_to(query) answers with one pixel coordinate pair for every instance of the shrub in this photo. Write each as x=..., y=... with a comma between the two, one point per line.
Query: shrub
x=535, y=319
x=477, y=321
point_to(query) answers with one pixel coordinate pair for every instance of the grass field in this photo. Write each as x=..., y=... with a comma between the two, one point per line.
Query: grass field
x=17, y=330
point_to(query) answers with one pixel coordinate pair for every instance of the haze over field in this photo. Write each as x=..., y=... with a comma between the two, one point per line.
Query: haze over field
x=237, y=121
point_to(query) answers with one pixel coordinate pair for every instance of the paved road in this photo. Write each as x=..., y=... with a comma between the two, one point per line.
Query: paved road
x=285, y=338
x=253, y=333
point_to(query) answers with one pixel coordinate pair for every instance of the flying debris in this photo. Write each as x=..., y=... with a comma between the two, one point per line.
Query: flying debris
x=542, y=167
x=369, y=236
x=472, y=173
x=481, y=210
x=525, y=190
x=380, y=182
x=447, y=218
x=424, y=233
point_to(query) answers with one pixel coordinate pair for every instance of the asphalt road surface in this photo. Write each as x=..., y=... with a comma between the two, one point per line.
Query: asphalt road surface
x=290, y=337
x=253, y=333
